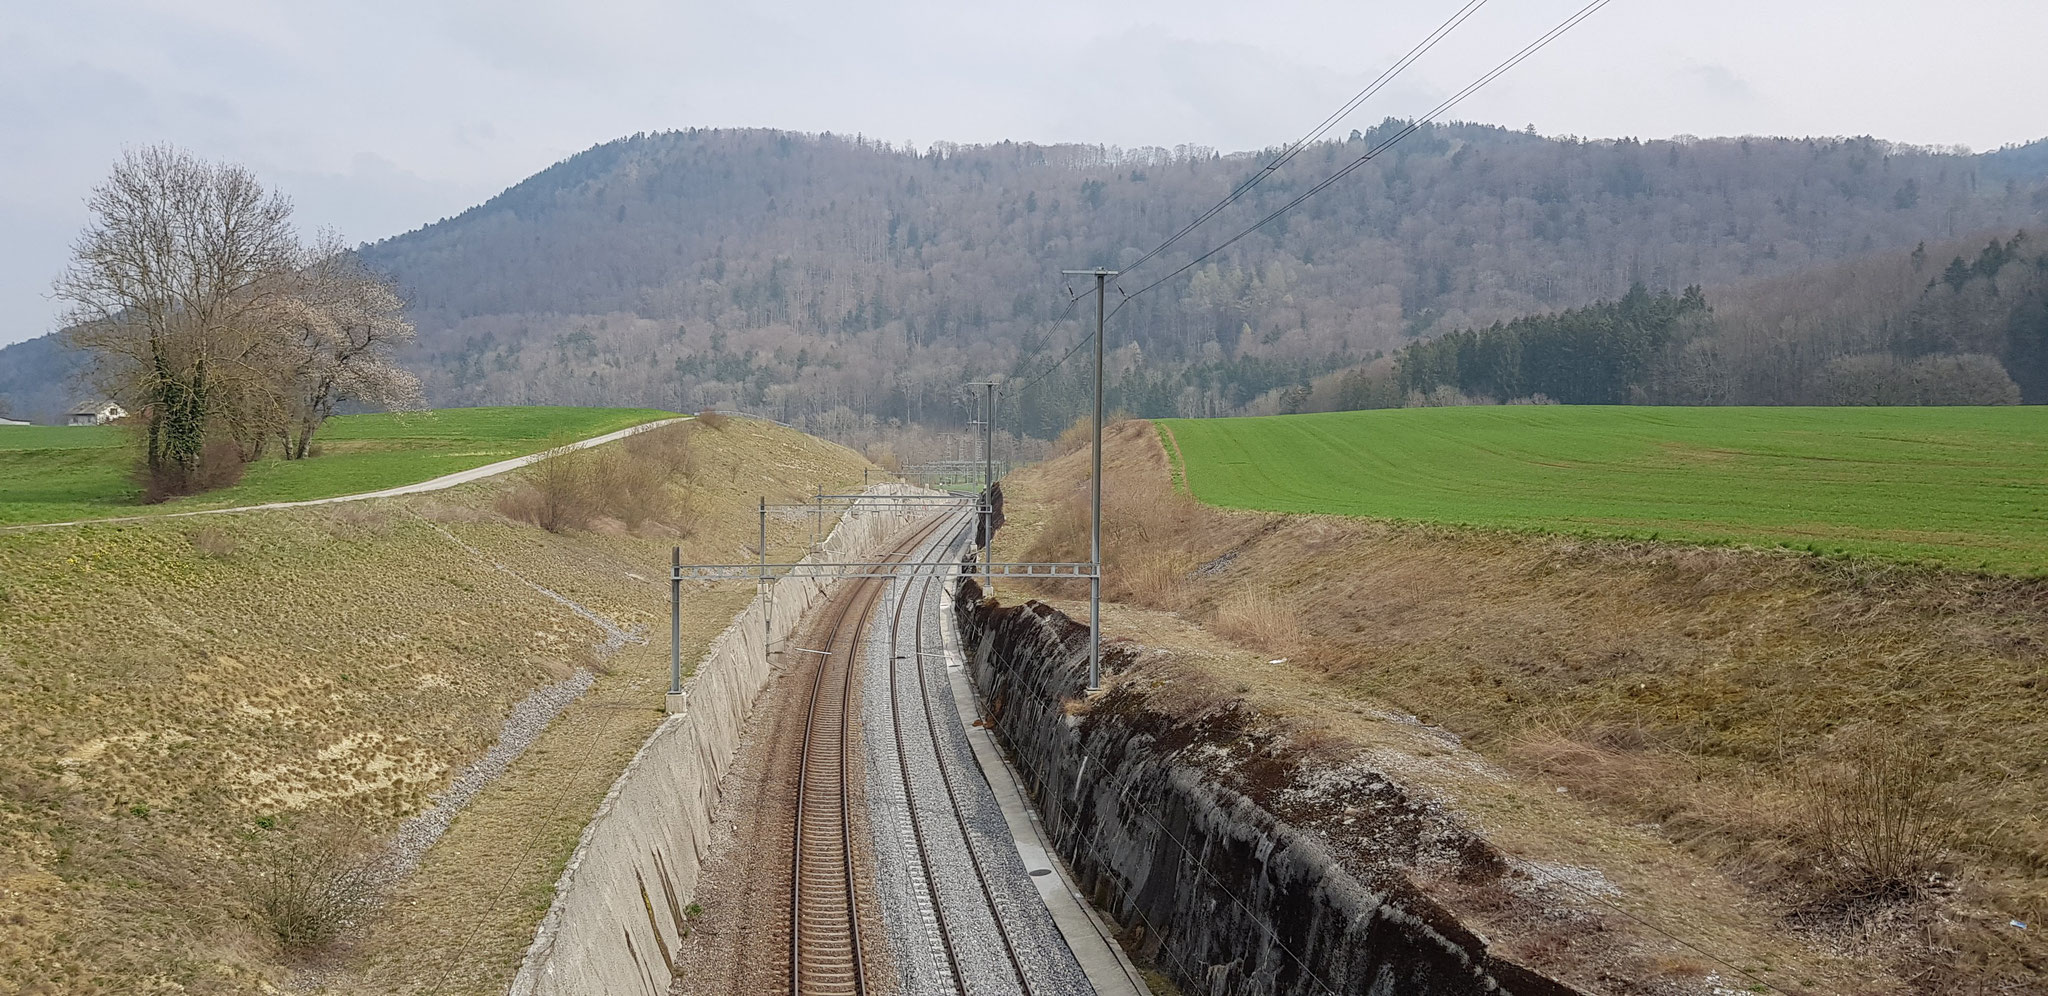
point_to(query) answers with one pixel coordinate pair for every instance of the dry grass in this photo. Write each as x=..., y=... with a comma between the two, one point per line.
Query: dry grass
x=1258, y=621
x=214, y=541
x=1694, y=690
x=158, y=705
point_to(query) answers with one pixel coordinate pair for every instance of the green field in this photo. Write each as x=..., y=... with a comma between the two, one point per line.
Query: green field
x=55, y=474
x=1967, y=487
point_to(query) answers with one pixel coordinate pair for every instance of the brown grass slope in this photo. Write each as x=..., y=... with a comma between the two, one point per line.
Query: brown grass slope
x=179, y=701
x=1856, y=750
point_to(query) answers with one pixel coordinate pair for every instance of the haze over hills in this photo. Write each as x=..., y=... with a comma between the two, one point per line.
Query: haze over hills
x=828, y=279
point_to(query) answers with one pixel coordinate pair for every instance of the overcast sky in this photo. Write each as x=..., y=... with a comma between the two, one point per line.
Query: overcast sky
x=378, y=116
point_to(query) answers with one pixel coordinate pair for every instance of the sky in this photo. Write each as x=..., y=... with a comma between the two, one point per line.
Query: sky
x=379, y=116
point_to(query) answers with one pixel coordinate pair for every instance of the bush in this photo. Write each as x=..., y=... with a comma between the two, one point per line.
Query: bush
x=1882, y=815
x=1942, y=379
x=667, y=448
x=1080, y=434
x=573, y=489
x=556, y=493
x=220, y=465
x=629, y=489
x=1157, y=578
x=312, y=886
x=712, y=420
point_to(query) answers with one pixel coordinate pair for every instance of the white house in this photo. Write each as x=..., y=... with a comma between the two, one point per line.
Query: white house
x=97, y=414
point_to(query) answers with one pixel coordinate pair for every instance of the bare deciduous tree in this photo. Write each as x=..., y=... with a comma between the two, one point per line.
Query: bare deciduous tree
x=171, y=285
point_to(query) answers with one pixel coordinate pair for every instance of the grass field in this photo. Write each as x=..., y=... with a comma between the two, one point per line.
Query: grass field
x=55, y=474
x=1967, y=487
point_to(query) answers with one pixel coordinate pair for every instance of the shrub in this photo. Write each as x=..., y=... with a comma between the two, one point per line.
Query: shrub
x=667, y=448
x=1881, y=812
x=312, y=886
x=573, y=489
x=883, y=455
x=627, y=488
x=712, y=420
x=555, y=493
x=220, y=465
x=1078, y=435
x=1156, y=578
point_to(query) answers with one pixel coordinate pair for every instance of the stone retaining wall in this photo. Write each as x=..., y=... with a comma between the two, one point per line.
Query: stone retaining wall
x=1207, y=884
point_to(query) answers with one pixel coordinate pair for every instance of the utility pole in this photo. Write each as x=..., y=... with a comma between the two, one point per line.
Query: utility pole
x=1095, y=485
x=988, y=479
x=675, y=629
x=767, y=602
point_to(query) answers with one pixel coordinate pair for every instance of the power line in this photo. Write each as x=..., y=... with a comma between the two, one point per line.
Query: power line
x=1086, y=338
x=1413, y=126
x=1289, y=152
x=1458, y=18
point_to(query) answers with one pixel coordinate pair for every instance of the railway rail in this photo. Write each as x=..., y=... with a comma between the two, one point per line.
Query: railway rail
x=899, y=690
x=825, y=953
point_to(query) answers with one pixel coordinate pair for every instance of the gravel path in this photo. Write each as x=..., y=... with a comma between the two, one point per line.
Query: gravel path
x=976, y=940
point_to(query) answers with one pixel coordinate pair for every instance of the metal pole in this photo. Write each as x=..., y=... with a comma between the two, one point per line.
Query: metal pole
x=1095, y=500
x=988, y=483
x=675, y=621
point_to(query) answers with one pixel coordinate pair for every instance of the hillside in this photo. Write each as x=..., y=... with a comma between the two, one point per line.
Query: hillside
x=1678, y=726
x=1963, y=486
x=799, y=274
x=839, y=280
x=189, y=706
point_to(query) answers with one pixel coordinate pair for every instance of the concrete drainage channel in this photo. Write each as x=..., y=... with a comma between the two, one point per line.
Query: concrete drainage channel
x=1214, y=890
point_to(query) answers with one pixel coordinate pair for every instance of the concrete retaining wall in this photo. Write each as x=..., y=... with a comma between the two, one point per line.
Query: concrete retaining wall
x=1211, y=887
x=618, y=910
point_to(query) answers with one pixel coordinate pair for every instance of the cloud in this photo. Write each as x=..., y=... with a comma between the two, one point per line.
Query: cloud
x=1719, y=82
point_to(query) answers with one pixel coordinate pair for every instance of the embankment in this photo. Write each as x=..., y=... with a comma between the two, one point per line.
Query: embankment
x=618, y=911
x=1159, y=820
x=1676, y=717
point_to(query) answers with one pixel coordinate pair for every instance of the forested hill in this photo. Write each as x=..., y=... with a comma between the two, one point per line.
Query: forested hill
x=805, y=275
x=802, y=273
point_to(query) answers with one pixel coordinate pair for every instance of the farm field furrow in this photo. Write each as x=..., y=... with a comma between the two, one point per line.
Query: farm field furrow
x=1965, y=487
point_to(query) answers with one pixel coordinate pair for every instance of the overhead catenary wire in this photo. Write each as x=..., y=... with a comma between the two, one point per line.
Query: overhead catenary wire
x=1375, y=151
x=1322, y=128
x=1086, y=338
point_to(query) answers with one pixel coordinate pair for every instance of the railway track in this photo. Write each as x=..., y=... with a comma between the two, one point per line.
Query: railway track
x=914, y=695
x=824, y=938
